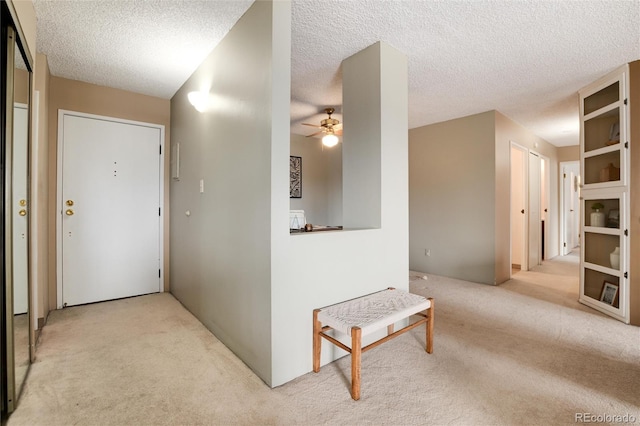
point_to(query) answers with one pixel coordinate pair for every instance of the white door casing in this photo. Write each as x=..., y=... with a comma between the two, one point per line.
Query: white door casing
x=110, y=217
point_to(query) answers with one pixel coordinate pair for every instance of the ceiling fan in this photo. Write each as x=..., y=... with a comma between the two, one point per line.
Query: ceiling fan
x=330, y=127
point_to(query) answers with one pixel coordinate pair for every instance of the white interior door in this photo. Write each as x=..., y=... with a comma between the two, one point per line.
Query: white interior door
x=110, y=209
x=19, y=205
x=535, y=234
x=518, y=206
x=570, y=206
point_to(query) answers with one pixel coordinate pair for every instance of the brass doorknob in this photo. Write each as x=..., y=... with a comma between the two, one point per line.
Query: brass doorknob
x=22, y=212
x=69, y=212
x=69, y=203
x=23, y=203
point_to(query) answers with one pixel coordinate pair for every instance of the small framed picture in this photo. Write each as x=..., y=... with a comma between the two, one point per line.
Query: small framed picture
x=295, y=177
x=609, y=293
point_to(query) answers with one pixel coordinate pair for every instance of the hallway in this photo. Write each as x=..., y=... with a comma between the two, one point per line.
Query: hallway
x=556, y=281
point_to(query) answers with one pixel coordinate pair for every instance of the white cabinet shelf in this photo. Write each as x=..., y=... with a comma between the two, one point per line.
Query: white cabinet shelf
x=604, y=142
x=602, y=230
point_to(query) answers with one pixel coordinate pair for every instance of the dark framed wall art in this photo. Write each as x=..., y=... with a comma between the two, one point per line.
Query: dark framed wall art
x=295, y=177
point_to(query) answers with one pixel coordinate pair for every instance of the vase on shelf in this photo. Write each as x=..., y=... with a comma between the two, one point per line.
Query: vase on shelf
x=614, y=258
x=597, y=218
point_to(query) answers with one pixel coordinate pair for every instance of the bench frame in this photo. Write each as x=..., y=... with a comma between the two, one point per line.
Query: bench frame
x=356, y=349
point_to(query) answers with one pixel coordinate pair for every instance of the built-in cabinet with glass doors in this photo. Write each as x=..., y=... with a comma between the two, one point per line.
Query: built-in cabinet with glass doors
x=604, y=162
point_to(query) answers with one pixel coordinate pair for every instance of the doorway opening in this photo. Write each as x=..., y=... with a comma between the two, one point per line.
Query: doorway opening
x=530, y=188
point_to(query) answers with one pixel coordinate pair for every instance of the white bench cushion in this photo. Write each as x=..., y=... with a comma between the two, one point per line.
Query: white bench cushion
x=372, y=312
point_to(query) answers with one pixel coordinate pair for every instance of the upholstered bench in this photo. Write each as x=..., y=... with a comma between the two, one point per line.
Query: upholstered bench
x=365, y=315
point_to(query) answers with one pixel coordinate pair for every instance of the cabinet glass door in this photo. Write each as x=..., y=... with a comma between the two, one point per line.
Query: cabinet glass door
x=604, y=136
x=603, y=252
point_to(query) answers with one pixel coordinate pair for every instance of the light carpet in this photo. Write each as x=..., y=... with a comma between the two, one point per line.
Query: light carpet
x=525, y=352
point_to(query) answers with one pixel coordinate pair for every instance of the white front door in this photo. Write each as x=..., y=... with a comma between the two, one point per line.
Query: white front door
x=110, y=208
x=20, y=252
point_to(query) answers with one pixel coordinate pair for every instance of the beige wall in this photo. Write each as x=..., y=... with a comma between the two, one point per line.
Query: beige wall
x=21, y=86
x=40, y=189
x=88, y=98
x=452, y=202
x=568, y=153
x=634, y=254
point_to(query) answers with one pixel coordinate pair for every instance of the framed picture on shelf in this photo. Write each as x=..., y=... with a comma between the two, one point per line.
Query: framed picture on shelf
x=609, y=293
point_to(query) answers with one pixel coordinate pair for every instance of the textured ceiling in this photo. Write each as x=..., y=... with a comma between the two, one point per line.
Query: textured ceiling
x=526, y=59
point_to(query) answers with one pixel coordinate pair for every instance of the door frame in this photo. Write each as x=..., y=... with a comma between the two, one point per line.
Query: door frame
x=59, y=200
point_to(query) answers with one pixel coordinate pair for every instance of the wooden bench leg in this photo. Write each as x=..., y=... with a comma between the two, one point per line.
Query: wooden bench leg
x=429, y=327
x=317, y=341
x=356, y=358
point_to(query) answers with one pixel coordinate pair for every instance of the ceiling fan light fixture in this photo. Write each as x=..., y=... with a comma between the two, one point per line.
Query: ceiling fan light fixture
x=329, y=140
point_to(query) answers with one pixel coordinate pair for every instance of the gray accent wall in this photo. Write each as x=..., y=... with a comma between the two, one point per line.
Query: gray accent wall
x=459, y=186
x=452, y=198
x=321, y=181
x=221, y=238
x=233, y=262
x=316, y=269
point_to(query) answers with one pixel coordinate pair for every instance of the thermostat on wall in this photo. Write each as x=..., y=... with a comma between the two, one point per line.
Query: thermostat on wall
x=175, y=161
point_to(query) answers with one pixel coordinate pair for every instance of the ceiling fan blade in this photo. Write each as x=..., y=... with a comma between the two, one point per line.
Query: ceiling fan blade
x=338, y=132
x=337, y=127
x=315, y=134
x=312, y=125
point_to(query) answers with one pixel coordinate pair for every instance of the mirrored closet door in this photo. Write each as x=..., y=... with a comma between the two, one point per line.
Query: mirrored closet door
x=16, y=326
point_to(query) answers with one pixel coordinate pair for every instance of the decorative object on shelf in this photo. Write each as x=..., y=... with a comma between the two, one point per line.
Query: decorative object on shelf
x=597, y=217
x=295, y=177
x=614, y=258
x=297, y=220
x=614, y=134
x=613, y=219
x=610, y=173
x=609, y=293
x=308, y=227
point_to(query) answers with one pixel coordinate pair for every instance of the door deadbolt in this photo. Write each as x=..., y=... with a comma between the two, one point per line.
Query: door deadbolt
x=69, y=212
x=22, y=203
x=69, y=203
